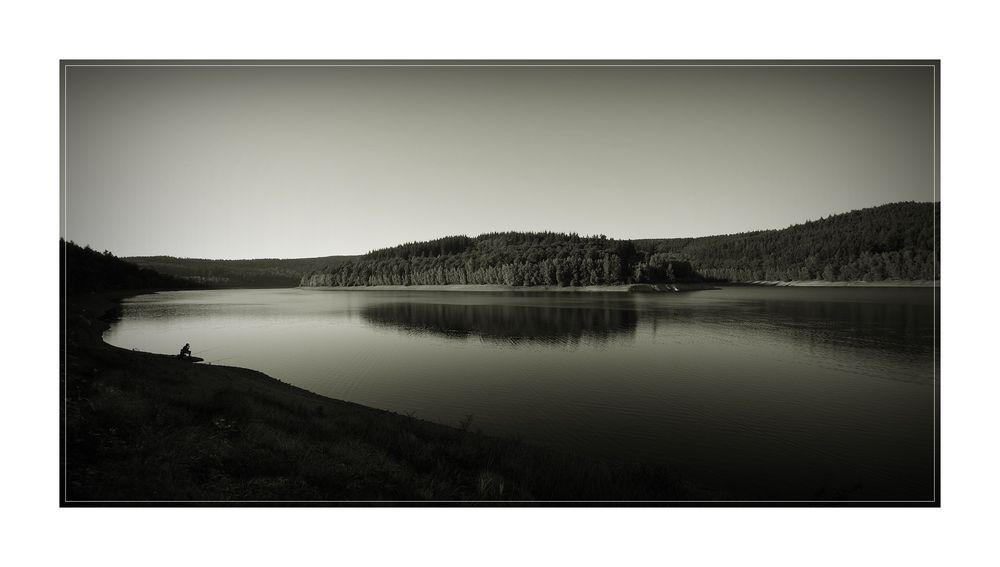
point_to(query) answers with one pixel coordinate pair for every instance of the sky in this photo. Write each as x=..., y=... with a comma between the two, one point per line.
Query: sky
x=288, y=161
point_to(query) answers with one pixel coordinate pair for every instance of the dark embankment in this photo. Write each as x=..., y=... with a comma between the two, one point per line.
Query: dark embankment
x=141, y=427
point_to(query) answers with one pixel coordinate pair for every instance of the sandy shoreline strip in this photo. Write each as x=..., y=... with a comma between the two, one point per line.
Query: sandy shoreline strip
x=822, y=283
x=630, y=288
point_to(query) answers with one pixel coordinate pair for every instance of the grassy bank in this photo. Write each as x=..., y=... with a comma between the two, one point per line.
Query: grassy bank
x=142, y=427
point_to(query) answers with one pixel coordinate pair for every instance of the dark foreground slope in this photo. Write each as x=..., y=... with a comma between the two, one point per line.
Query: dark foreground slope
x=144, y=427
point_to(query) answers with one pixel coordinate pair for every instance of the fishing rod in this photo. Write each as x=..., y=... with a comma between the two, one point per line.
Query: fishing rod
x=218, y=360
x=207, y=349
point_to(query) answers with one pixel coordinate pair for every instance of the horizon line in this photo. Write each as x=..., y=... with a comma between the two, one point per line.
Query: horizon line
x=938, y=202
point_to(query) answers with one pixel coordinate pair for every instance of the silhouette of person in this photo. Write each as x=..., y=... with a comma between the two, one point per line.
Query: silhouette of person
x=185, y=351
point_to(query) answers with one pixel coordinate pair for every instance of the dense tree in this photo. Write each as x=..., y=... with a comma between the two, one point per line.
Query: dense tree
x=87, y=270
x=894, y=241
x=505, y=258
x=891, y=242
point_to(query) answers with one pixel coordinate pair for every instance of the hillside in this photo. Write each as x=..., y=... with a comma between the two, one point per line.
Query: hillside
x=87, y=270
x=256, y=273
x=889, y=242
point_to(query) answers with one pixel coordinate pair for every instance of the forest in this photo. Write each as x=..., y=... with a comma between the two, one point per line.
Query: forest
x=896, y=241
x=506, y=258
x=890, y=242
x=87, y=270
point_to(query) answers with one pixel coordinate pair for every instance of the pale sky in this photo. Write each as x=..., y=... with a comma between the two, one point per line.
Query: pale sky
x=302, y=161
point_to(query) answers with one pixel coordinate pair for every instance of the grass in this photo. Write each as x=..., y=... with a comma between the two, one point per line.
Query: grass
x=143, y=427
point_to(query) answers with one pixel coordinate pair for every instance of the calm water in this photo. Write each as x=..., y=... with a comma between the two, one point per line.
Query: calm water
x=781, y=393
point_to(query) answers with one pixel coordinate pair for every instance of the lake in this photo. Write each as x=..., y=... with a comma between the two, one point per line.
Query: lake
x=766, y=393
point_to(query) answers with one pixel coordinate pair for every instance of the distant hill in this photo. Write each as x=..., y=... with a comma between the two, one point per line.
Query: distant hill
x=257, y=273
x=889, y=242
x=894, y=241
x=87, y=270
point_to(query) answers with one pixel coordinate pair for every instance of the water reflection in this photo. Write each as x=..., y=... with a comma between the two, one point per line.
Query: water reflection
x=790, y=393
x=893, y=326
x=507, y=323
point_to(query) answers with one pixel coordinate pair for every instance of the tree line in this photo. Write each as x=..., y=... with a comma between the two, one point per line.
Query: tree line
x=507, y=258
x=255, y=273
x=896, y=241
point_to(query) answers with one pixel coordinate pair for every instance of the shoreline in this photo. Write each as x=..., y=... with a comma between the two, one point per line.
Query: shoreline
x=493, y=288
x=626, y=288
x=824, y=283
x=145, y=428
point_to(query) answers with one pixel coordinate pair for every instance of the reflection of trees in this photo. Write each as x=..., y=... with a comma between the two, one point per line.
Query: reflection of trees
x=507, y=323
